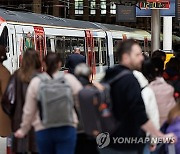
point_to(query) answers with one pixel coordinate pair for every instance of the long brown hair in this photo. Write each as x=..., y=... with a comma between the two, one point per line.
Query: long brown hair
x=30, y=64
x=174, y=113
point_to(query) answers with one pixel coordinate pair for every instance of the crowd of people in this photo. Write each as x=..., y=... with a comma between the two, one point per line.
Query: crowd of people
x=145, y=101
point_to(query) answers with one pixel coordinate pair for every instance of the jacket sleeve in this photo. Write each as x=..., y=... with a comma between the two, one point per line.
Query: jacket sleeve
x=30, y=108
x=151, y=106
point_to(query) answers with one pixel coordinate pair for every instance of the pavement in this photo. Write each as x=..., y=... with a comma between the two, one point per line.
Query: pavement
x=2, y=145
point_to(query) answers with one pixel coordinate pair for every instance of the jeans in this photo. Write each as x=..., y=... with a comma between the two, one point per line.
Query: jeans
x=112, y=151
x=60, y=140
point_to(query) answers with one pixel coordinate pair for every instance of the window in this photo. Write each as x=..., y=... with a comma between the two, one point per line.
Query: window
x=79, y=7
x=115, y=45
x=48, y=43
x=4, y=37
x=103, y=6
x=92, y=6
x=100, y=51
x=66, y=45
x=113, y=8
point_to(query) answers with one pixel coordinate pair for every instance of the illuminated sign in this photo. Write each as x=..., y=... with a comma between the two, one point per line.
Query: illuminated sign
x=155, y=5
x=178, y=10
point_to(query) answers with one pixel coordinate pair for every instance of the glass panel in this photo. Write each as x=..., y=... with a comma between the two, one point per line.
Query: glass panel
x=103, y=6
x=92, y=7
x=115, y=45
x=100, y=51
x=29, y=41
x=60, y=48
x=48, y=43
x=104, y=52
x=113, y=8
x=79, y=7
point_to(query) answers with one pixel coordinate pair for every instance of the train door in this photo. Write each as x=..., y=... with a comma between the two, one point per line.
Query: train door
x=40, y=41
x=12, y=48
x=90, y=51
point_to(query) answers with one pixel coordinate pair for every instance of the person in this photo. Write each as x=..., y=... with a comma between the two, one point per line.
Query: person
x=51, y=140
x=174, y=125
x=148, y=98
x=74, y=59
x=149, y=102
x=5, y=127
x=164, y=92
x=85, y=143
x=172, y=75
x=159, y=54
x=30, y=67
x=128, y=106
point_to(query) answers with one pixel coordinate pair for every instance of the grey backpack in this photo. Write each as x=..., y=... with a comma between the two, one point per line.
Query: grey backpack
x=55, y=101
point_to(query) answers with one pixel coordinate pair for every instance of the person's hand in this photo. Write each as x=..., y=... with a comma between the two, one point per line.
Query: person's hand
x=152, y=147
x=169, y=138
x=19, y=134
x=98, y=85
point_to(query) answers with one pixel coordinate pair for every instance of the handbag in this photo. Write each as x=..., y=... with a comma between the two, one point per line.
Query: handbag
x=9, y=97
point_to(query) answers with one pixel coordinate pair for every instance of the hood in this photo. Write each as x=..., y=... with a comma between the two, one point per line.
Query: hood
x=141, y=79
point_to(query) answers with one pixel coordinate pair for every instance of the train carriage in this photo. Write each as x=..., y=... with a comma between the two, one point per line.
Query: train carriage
x=21, y=30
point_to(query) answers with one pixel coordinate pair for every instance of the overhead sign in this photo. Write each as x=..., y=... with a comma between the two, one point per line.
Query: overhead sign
x=163, y=12
x=178, y=10
x=125, y=13
x=155, y=5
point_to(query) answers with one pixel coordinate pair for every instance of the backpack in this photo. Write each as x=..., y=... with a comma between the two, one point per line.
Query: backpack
x=55, y=101
x=96, y=108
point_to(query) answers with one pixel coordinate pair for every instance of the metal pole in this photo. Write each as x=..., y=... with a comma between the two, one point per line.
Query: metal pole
x=167, y=33
x=155, y=30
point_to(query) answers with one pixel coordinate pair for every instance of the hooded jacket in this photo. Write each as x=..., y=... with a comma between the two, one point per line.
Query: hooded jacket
x=128, y=107
x=164, y=93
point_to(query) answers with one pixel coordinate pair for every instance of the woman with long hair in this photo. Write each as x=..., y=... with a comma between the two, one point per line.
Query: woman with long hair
x=54, y=139
x=30, y=66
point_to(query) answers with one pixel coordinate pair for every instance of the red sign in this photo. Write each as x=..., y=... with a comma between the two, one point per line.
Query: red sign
x=155, y=5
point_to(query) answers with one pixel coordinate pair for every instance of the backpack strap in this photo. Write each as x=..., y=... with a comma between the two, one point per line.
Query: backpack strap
x=120, y=75
x=44, y=76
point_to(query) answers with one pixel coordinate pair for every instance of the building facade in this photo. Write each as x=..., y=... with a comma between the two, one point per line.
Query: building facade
x=103, y=11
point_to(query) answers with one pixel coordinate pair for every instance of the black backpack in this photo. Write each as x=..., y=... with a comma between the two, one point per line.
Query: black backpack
x=96, y=108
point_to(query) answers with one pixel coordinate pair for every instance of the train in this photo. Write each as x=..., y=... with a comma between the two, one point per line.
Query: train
x=20, y=30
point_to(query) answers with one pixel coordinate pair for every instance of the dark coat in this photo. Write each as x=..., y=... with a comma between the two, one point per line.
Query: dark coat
x=73, y=60
x=128, y=107
x=5, y=123
x=27, y=143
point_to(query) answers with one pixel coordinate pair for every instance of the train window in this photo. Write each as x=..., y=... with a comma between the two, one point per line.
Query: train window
x=81, y=45
x=68, y=46
x=100, y=51
x=115, y=45
x=4, y=37
x=60, y=47
x=12, y=36
x=48, y=43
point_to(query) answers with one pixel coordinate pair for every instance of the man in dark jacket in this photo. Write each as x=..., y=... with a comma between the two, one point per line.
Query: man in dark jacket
x=74, y=59
x=128, y=105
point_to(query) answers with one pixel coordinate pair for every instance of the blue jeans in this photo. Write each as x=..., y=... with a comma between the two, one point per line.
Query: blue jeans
x=61, y=140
